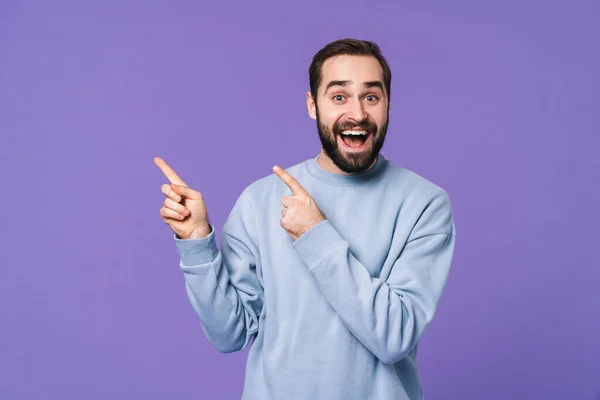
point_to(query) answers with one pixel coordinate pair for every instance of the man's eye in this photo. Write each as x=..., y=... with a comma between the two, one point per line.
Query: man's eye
x=338, y=97
x=371, y=97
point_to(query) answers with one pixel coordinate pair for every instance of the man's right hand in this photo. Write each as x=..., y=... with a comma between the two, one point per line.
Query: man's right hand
x=184, y=209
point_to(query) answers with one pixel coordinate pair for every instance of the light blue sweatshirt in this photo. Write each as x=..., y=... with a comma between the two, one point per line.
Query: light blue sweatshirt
x=338, y=313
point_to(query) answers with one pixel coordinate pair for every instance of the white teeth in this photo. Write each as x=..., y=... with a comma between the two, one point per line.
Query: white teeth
x=354, y=132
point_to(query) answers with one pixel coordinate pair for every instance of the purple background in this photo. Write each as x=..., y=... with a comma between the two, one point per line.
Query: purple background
x=496, y=103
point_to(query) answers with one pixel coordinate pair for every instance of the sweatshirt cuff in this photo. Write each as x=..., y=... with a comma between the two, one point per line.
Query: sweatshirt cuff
x=317, y=242
x=197, y=251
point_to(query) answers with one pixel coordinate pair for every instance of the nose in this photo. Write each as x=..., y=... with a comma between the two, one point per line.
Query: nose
x=356, y=111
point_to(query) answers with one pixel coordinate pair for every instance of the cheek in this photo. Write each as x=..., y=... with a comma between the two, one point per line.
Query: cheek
x=327, y=122
x=328, y=115
x=379, y=116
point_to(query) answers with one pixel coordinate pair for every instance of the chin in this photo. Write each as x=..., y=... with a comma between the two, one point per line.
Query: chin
x=349, y=163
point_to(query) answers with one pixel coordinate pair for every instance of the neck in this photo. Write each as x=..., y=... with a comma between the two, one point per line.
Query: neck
x=327, y=164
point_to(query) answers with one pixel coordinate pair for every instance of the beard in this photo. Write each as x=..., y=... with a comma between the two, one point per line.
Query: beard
x=352, y=163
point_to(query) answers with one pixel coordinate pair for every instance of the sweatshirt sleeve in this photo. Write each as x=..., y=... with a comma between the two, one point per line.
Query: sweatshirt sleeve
x=222, y=285
x=388, y=317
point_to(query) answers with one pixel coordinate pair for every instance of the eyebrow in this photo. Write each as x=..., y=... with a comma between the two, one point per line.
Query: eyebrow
x=369, y=84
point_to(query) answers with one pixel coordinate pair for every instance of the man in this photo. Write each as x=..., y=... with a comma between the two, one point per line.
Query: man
x=334, y=267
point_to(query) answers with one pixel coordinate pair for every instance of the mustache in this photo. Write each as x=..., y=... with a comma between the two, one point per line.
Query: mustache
x=366, y=125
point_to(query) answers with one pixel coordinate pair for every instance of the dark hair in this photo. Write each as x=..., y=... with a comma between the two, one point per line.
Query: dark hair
x=353, y=47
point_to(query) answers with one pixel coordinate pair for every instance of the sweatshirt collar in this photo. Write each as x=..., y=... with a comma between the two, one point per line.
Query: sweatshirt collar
x=339, y=179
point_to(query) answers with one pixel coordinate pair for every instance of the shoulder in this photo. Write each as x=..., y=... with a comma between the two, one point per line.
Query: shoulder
x=424, y=198
x=413, y=184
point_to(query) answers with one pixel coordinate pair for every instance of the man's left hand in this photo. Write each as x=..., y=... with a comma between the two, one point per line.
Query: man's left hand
x=300, y=211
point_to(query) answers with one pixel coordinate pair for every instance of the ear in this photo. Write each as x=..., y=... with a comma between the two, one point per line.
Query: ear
x=310, y=104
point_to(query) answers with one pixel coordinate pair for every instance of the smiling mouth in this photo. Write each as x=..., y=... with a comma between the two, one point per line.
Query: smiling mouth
x=357, y=140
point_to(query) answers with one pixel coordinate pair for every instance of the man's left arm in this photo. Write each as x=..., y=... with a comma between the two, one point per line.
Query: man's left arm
x=388, y=317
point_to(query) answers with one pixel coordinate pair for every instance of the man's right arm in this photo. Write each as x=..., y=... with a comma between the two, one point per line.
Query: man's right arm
x=222, y=285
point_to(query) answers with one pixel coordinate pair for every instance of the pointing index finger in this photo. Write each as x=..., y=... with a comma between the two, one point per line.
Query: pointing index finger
x=290, y=181
x=168, y=171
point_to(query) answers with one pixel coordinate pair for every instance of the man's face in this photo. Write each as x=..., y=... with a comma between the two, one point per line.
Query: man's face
x=351, y=97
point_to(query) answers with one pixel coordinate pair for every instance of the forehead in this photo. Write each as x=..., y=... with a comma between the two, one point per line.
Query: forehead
x=357, y=69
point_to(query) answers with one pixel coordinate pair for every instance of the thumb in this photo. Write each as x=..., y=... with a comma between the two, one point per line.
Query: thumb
x=186, y=192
